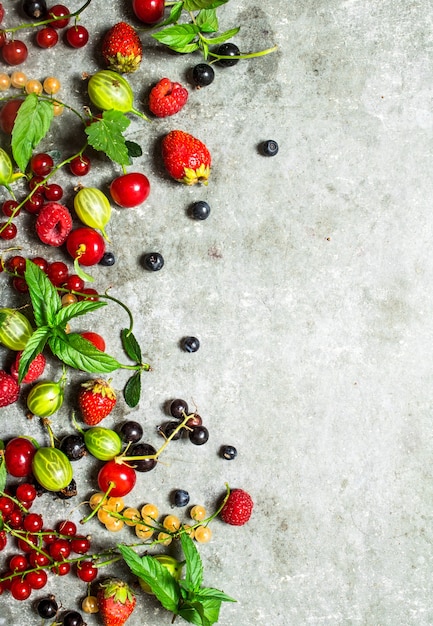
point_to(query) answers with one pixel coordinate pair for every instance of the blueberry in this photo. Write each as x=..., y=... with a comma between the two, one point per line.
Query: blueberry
x=269, y=147
x=153, y=261
x=190, y=344
x=203, y=74
x=200, y=210
x=228, y=452
x=228, y=50
x=108, y=259
x=180, y=497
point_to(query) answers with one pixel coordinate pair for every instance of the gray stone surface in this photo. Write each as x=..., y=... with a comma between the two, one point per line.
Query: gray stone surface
x=310, y=289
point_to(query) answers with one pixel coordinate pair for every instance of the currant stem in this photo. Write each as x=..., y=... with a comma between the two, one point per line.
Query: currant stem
x=99, y=505
x=250, y=55
x=47, y=21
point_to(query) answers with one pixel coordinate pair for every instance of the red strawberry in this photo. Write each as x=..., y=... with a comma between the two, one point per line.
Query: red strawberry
x=96, y=400
x=121, y=48
x=186, y=158
x=238, y=508
x=53, y=224
x=167, y=98
x=116, y=601
x=35, y=370
x=9, y=389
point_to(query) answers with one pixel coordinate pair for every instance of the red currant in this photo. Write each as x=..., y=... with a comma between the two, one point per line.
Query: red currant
x=41, y=164
x=60, y=549
x=16, y=264
x=47, y=37
x=28, y=543
x=6, y=506
x=36, y=181
x=89, y=294
x=38, y=559
x=3, y=540
x=14, y=52
x=20, y=589
x=37, y=579
x=49, y=536
x=25, y=492
x=57, y=272
x=67, y=528
x=19, y=453
x=20, y=285
x=86, y=571
x=59, y=10
x=8, y=208
x=53, y=192
x=8, y=231
x=80, y=544
x=33, y=522
x=80, y=165
x=8, y=114
x=15, y=519
x=18, y=563
x=77, y=36
x=35, y=203
x=41, y=263
x=74, y=283
x=61, y=569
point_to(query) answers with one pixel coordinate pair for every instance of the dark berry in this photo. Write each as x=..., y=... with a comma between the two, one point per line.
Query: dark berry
x=177, y=408
x=47, y=607
x=199, y=435
x=34, y=8
x=131, y=432
x=269, y=148
x=68, y=492
x=190, y=344
x=203, y=74
x=228, y=50
x=180, y=497
x=72, y=618
x=73, y=446
x=142, y=449
x=108, y=259
x=200, y=210
x=194, y=420
x=153, y=261
x=167, y=429
x=228, y=452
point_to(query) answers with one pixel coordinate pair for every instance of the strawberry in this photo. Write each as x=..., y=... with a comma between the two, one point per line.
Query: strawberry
x=238, y=508
x=167, y=98
x=96, y=400
x=186, y=158
x=35, y=370
x=9, y=389
x=53, y=224
x=116, y=601
x=121, y=48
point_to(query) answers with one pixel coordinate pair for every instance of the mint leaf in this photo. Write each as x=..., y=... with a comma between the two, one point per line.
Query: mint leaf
x=31, y=125
x=34, y=346
x=134, y=149
x=105, y=135
x=207, y=20
x=163, y=584
x=3, y=473
x=130, y=345
x=215, y=594
x=191, y=47
x=132, y=390
x=202, y=613
x=175, y=13
x=228, y=34
x=196, y=5
x=45, y=299
x=176, y=37
x=67, y=313
x=194, y=566
x=76, y=352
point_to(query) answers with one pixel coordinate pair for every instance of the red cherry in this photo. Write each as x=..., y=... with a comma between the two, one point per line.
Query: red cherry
x=14, y=52
x=96, y=339
x=8, y=114
x=86, y=245
x=77, y=36
x=130, y=190
x=149, y=11
x=120, y=477
x=19, y=453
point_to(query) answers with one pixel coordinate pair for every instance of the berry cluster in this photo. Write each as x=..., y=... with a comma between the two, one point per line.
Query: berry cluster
x=196, y=432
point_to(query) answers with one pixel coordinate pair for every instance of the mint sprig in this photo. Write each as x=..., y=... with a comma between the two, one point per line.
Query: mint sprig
x=32, y=123
x=188, y=597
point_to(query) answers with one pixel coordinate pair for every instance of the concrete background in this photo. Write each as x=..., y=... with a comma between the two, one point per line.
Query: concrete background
x=309, y=287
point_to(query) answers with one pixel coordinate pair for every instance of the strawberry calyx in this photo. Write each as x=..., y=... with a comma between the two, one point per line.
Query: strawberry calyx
x=118, y=590
x=124, y=63
x=199, y=175
x=100, y=386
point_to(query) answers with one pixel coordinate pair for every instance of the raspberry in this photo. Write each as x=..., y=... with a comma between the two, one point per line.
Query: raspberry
x=238, y=508
x=35, y=370
x=167, y=98
x=53, y=224
x=9, y=389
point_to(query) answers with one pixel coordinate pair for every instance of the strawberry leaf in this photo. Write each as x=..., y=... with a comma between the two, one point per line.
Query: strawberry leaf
x=34, y=346
x=105, y=135
x=67, y=313
x=45, y=299
x=194, y=565
x=132, y=390
x=176, y=37
x=80, y=354
x=130, y=345
x=30, y=127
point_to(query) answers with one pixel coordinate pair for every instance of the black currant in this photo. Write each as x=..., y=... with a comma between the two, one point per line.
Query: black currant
x=153, y=261
x=198, y=435
x=130, y=431
x=47, y=607
x=200, y=210
x=194, y=420
x=269, y=148
x=203, y=74
x=73, y=446
x=34, y=8
x=228, y=452
x=190, y=344
x=228, y=50
x=72, y=618
x=177, y=408
x=180, y=497
x=142, y=449
x=108, y=259
x=68, y=492
x=167, y=429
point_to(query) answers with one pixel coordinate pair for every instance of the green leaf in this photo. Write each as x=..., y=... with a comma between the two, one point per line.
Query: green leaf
x=45, y=299
x=228, y=34
x=134, y=149
x=216, y=594
x=76, y=352
x=130, y=345
x=34, y=346
x=75, y=309
x=105, y=135
x=31, y=125
x=175, y=13
x=163, y=584
x=132, y=390
x=3, y=473
x=177, y=36
x=207, y=20
x=194, y=565
x=191, y=47
x=196, y=5
x=201, y=612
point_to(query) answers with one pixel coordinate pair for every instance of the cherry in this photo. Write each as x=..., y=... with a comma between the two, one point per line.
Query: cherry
x=59, y=10
x=47, y=37
x=86, y=245
x=77, y=36
x=41, y=164
x=86, y=571
x=130, y=190
x=80, y=165
x=8, y=114
x=119, y=477
x=8, y=231
x=148, y=11
x=19, y=453
x=14, y=52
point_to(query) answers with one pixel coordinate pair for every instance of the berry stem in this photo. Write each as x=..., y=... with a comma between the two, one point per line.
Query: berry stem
x=47, y=21
x=249, y=55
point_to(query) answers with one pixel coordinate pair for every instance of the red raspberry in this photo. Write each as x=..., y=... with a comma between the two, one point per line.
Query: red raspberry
x=167, y=98
x=35, y=370
x=9, y=389
x=53, y=224
x=238, y=508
